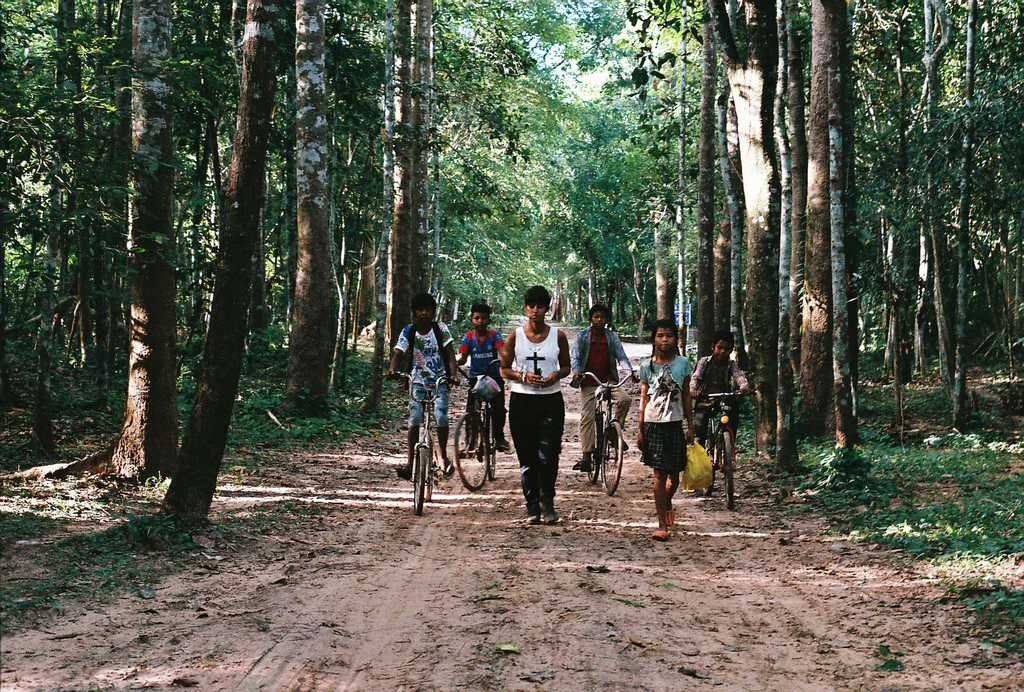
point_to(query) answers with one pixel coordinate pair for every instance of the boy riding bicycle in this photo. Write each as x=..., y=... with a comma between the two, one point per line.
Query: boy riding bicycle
x=426, y=346
x=481, y=346
x=598, y=350
x=715, y=374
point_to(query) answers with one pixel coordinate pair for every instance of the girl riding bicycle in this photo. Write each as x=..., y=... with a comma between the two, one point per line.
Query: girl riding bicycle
x=664, y=404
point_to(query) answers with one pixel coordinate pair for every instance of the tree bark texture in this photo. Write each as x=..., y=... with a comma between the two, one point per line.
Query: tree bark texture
x=681, y=179
x=706, y=245
x=381, y=286
x=311, y=337
x=202, y=449
x=816, y=405
x=148, y=443
x=785, y=455
x=797, y=125
x=401, y=246
x=842, y=388
x=960, y=411
x=423, y=67
x=662, y=286
x=752, y=76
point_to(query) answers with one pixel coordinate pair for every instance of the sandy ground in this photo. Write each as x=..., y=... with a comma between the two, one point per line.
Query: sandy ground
x=368, y=596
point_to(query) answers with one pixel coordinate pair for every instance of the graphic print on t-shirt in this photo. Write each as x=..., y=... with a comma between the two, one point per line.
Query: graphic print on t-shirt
x=665, y=397
x=427, y=356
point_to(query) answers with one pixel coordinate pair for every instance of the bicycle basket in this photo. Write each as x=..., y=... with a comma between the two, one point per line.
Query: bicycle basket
x=487, y=388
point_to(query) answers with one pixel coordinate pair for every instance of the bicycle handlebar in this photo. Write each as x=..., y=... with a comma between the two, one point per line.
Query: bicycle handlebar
x=609, y=385
x=728, y=395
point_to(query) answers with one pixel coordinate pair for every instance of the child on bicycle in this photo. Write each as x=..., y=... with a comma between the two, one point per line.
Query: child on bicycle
x=598, y=350
x=664, y=405
x=425, y=346
x=716, y=374
x=481, y=346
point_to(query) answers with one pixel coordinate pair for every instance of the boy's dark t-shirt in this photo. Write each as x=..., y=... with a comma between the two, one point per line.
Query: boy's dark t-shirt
x=482, y=351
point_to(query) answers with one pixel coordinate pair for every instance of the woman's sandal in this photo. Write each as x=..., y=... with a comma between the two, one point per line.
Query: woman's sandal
x=661, y=534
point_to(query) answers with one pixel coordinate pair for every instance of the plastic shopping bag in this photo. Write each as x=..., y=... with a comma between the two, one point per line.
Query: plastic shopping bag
x=697, y=475
x=487, y=388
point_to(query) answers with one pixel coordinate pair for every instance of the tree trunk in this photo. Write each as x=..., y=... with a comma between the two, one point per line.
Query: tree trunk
x=753, y=78
x=816, y=406
x=731, y=169
x=723, y=275
x=798, y=179
x=845, y=422
x=148, y=443
x=960, y=411
x=638, y=292
x=681, y=181
x=786, y=446
x=706, y=248
x=381, y=271
x=662, y=287
x=311, y=337
x=6, y=393
x=932, y=58
x=423, y=67
x=42, y=413
x=401, y=246
x=202, y=450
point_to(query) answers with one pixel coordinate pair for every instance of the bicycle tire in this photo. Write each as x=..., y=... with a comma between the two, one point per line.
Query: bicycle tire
x=614, y=450
x=487, y=437
x=594, y=474
x=727, y=470
x=428, y=492
x=472, y=473
x=420, y=469
x=714, y=465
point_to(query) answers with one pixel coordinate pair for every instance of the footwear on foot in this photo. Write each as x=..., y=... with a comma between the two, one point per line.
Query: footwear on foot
x=533, y=519
x=404, y=473
x=503, y=446
x=661, y=534
x=583, y=464
x=448, y=469
x=547, y=508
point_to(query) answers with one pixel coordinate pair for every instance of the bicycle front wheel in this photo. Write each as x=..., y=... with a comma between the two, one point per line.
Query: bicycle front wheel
x=420, y=469
x=487, y=445
x=470, y=464
x=727, y=469
x=428, y=494
x=614, y=450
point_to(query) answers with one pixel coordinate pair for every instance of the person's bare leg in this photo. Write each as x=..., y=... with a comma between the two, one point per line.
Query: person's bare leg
x=442, y=442
x=414, y=436
x=660, y=495
x=670, y=492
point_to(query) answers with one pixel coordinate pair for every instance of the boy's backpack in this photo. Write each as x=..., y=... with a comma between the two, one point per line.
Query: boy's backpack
x=410, y=338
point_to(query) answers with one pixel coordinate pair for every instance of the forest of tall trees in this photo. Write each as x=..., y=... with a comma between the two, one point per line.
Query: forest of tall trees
x=187, y=185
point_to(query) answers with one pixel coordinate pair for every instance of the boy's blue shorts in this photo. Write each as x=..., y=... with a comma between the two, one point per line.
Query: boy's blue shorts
x=440, y=407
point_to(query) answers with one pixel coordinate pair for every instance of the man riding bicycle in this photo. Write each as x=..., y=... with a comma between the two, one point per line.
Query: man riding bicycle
x=598, y=350
x=715, y=374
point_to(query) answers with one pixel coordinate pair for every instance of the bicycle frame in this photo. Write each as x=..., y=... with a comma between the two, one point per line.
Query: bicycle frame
x=423, y=478
x=606, y=423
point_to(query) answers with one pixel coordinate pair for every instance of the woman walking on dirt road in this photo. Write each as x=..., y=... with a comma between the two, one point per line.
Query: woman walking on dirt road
x=535, y=357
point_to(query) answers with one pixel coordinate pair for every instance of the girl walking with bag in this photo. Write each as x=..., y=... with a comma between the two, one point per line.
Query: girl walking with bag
x=664, y=405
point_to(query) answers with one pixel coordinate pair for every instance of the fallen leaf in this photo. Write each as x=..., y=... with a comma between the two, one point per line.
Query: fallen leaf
x=599, y=569
x=629, y=602
x=508, y=649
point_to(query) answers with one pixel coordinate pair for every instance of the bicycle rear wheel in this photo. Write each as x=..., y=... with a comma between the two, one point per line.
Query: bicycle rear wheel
x=614, y=449
x=471, y=465
x=594, y=474
x=428, y=494
x=420, y=469
x=727, y=469
x=715, y=461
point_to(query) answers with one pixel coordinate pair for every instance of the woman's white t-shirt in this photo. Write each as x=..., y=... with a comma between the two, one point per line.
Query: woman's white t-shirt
x=539, y=358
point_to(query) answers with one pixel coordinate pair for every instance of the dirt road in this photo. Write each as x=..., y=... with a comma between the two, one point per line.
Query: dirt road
x=368, y=596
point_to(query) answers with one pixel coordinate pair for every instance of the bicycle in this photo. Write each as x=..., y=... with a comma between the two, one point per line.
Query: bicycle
x=425, y=469
x=474, y=444
x=611, y=442
x=723, y=447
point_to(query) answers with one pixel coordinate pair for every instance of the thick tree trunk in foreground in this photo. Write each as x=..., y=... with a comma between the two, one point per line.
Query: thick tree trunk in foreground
x=202, y=450
x=785, y=455
x=816, y=406
x=752, y=76
x=311, y=338
x=423, y=67
x=706, y=197
x=148, y=443
x=731, y=244
x=681, y=181
x=842, y=388
x=964, y=231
